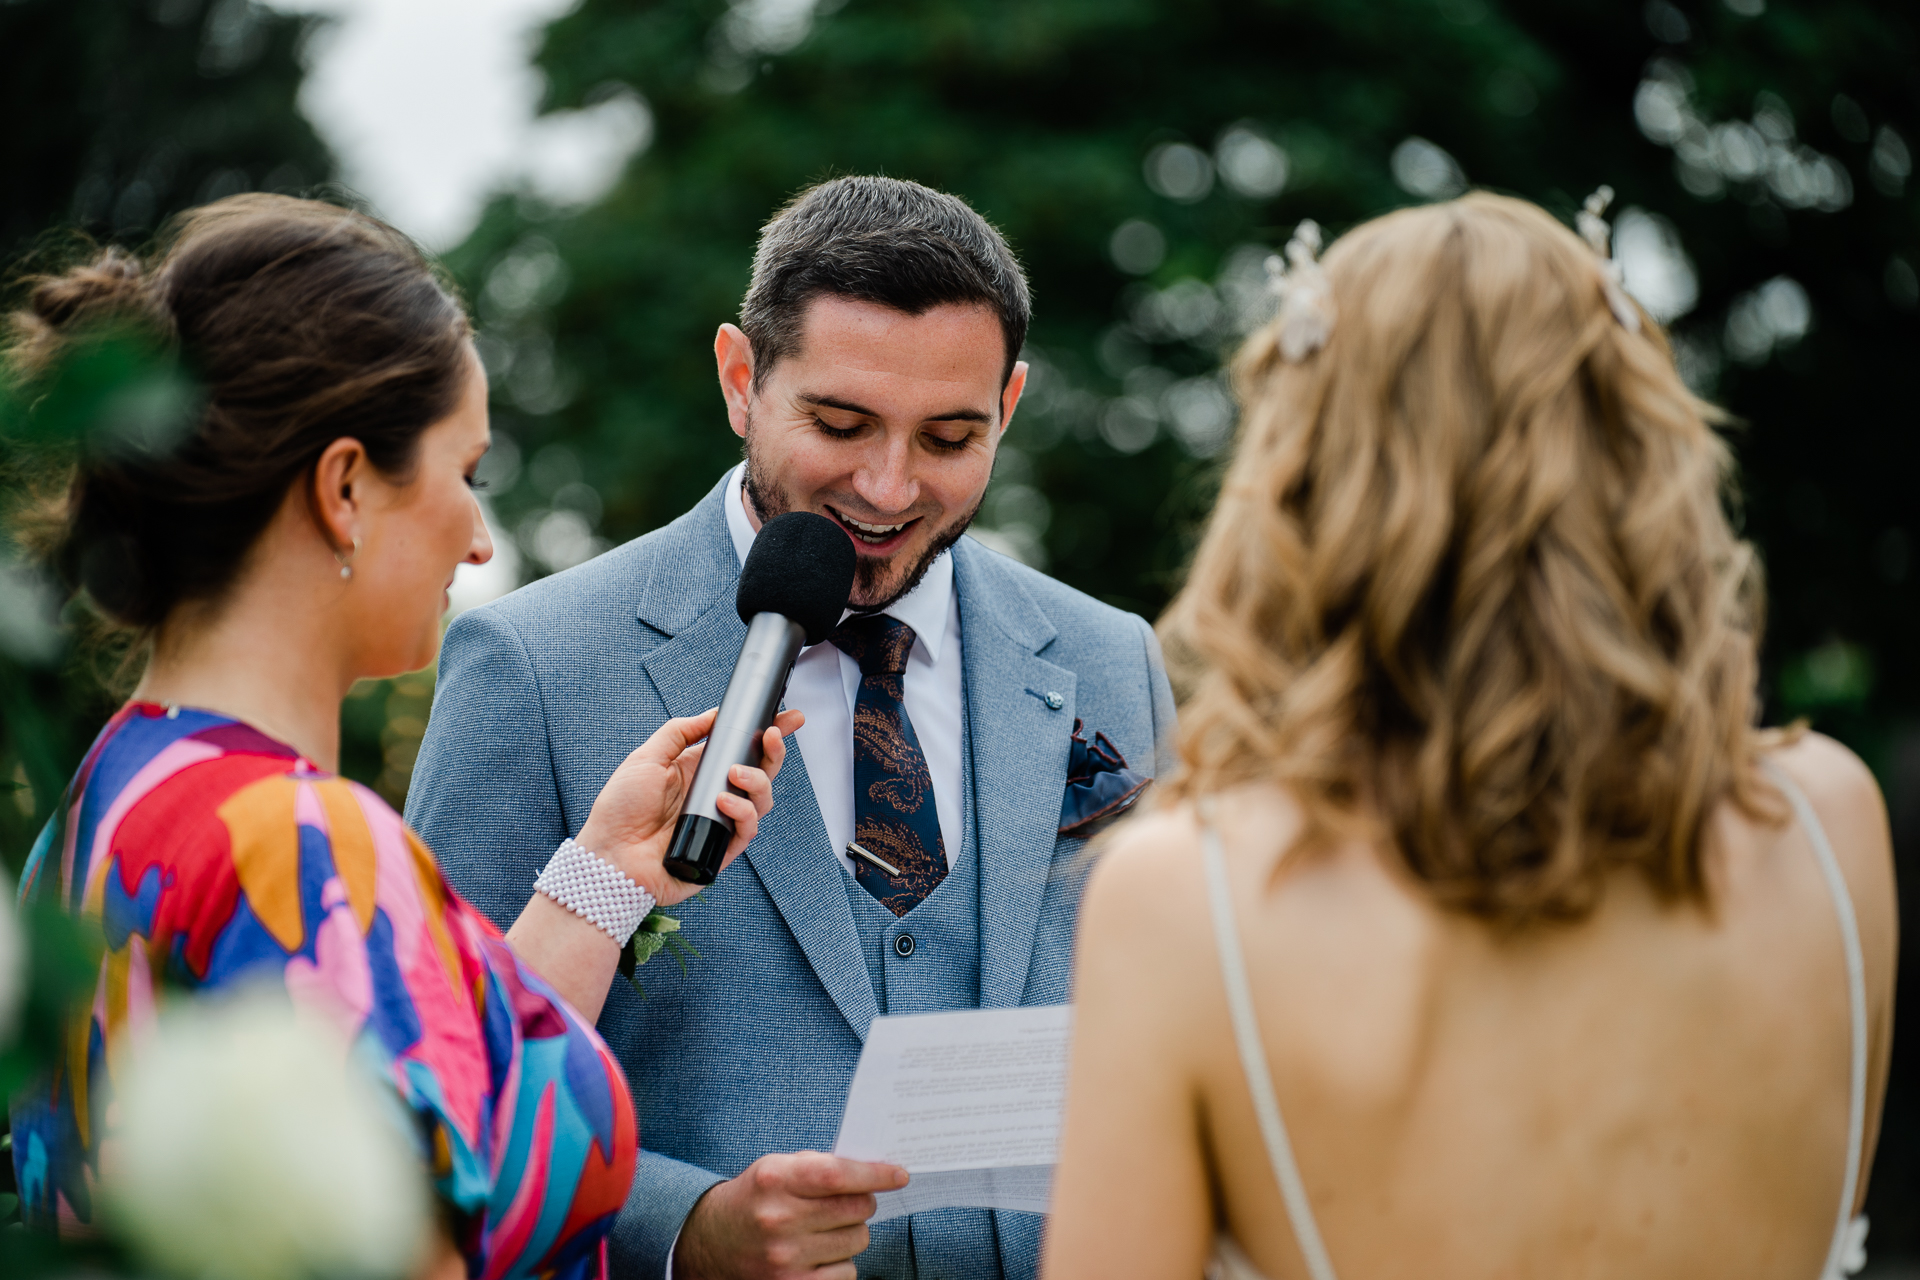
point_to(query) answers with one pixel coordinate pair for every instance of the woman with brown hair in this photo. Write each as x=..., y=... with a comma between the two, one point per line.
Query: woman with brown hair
x=1479, y=933
x=299, y=533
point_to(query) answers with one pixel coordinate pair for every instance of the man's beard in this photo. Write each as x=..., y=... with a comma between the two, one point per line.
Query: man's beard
x=769, y=500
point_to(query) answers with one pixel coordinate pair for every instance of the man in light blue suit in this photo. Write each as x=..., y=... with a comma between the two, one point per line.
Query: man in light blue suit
x=967, y=726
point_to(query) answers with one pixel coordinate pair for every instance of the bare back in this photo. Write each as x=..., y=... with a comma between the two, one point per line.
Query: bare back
x=1656, y=1092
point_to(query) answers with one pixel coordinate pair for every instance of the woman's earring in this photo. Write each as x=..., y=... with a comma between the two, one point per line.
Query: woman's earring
x=346, y=561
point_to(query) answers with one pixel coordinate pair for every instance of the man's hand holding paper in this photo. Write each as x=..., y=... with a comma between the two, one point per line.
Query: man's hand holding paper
x=788, y=1215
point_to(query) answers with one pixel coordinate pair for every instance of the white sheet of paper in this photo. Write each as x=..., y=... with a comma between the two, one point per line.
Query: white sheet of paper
x=968, y=1103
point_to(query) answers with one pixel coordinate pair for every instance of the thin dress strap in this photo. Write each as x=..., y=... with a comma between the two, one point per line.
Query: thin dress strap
x=1253, y=1056
x=1847, y=1252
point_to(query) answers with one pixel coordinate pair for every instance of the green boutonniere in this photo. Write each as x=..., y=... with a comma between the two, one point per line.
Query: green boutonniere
x=657, y=932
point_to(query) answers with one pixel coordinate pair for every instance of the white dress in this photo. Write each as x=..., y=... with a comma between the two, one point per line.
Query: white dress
x=1846, y=1254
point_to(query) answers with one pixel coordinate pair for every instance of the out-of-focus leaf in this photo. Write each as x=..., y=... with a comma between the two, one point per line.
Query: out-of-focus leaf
x=116, y=389
x=63, y=964
x=29, y=615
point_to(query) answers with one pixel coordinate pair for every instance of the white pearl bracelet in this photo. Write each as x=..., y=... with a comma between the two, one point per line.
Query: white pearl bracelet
x=595, y=890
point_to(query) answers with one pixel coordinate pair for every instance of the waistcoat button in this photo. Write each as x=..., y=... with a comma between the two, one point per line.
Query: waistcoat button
x=903, y=945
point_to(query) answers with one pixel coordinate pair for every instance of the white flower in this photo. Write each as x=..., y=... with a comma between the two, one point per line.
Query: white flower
x=248, y=1148
x=1306, y=296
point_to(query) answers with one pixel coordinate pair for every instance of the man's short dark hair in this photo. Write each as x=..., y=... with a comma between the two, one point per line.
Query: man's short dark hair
x=882, y=240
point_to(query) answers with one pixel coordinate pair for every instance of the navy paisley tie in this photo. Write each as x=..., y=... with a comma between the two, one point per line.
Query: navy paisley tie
x=893, y=810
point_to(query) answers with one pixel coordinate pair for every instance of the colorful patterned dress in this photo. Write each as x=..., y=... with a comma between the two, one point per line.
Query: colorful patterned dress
x=208, y=852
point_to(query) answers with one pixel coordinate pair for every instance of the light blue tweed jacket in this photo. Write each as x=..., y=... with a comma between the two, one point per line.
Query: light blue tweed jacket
x=542, y=693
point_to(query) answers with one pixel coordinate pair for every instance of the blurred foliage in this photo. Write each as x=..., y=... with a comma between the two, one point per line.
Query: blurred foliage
x=1113, y=135
x=123, y=111
x=118, y=389
x=1143, y=156
x=62, y=965
x=126, y=393
x=381, y=725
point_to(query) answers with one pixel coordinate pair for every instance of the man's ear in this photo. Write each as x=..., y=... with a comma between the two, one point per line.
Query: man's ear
x=336, y=494
x=733, y=356
x=1010, y=394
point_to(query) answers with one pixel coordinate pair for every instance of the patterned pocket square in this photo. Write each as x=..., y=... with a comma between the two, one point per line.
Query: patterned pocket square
x=1100, y=787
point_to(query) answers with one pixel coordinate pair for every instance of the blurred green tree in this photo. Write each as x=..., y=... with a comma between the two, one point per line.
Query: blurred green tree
x=124, y=111
x=1145, y=156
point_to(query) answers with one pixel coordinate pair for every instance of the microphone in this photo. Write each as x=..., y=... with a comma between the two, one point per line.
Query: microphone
x=793, y=589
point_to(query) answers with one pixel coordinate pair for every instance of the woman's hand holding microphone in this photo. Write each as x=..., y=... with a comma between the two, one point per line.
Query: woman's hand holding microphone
x=631, y=827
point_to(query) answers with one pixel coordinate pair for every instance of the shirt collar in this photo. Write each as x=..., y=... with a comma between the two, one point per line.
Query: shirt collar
x=924, y=608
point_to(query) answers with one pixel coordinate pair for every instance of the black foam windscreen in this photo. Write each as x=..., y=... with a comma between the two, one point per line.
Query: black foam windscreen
x=801, y=567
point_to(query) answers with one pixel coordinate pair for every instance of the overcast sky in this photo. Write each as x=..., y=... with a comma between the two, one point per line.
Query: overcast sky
x=429, y=106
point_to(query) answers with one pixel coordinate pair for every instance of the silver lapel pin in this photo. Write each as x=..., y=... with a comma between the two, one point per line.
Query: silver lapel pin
x=873, y=860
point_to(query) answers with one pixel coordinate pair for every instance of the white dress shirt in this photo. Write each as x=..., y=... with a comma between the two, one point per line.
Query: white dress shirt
x=826, y=682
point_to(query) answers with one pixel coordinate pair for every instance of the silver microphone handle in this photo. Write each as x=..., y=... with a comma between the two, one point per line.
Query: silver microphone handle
x=753, y=697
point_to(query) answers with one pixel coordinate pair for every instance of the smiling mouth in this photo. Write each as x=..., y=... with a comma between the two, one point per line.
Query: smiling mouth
x=872, y=535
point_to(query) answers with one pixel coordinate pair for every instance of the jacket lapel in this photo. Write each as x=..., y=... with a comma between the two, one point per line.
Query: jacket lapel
x=1019, y=747
x=690, y=599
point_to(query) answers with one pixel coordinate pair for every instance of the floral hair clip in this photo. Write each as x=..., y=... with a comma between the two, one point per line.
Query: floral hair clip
x=1306, y=298
x=1595, y=231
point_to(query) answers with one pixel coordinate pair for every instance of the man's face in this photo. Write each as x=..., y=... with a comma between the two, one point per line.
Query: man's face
x=883, y=422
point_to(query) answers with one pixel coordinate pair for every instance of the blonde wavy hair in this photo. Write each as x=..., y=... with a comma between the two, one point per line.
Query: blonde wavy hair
x=1470, y=585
